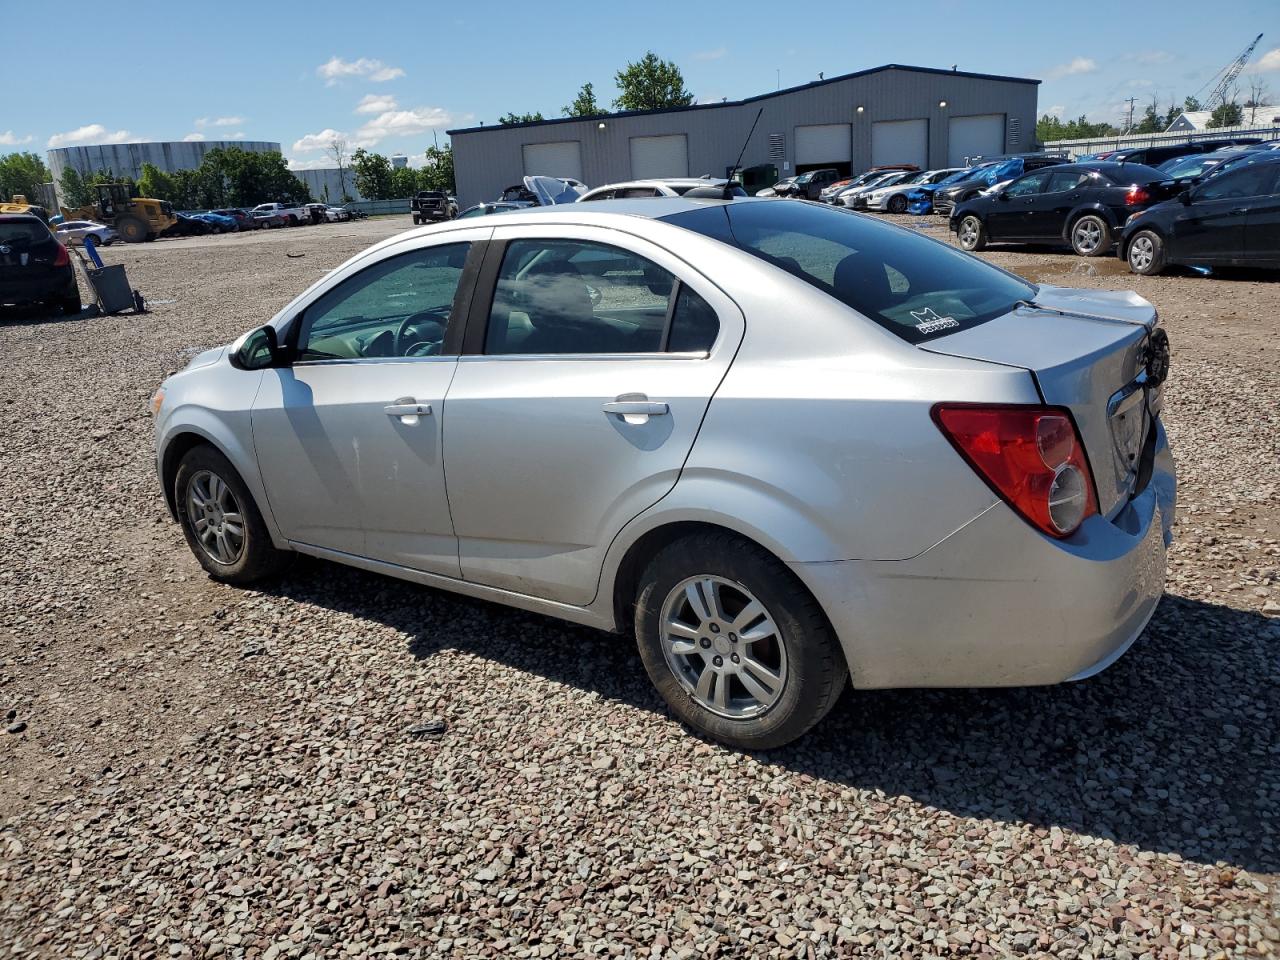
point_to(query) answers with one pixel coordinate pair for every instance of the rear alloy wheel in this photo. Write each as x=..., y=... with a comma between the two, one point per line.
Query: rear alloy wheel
x=222, y=525
x=1090, y=236
x=972, y=234
x=1146, y=253
x=898, y=203
x=734, y=642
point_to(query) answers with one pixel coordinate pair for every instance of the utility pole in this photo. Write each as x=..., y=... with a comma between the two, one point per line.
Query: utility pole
x=1128, y=125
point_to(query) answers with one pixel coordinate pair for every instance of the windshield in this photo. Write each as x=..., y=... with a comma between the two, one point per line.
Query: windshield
x=916, y=288
x=959, y=175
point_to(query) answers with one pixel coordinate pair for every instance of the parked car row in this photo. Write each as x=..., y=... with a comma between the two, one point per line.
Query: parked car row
x=263, y=216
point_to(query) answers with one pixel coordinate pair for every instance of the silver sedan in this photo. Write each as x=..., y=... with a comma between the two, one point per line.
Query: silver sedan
x=784, y=444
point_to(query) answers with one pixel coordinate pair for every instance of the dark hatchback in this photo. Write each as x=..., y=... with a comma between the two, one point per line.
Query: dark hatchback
x=985, y=175
x=1232, y=218
x=34, y=266
x=1084, y=205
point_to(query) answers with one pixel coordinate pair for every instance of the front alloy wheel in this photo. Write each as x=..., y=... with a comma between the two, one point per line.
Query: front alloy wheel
x=723, y=647
x=216, y=517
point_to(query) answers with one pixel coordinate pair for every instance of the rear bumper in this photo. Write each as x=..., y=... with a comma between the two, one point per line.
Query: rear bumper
x=46, y=285
x=998, y=604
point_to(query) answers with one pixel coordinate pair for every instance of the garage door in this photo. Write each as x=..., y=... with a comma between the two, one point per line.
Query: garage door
x=563, y=159
x=823, y=143
x=659, y=157
x=979, y=136
x=900, y=141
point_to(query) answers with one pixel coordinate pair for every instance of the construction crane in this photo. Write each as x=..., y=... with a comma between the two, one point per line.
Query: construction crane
x=1229, y=74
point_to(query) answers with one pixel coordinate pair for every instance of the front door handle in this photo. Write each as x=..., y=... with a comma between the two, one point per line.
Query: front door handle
x=407, y=407
x=636, y=408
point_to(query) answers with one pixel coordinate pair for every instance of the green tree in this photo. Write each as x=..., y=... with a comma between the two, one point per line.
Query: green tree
x=437, y=173
x=584, y=104
x=373, y=174
x=72, y=190
x=1050, y=128
x=651, y=84
x=1152, y=120
x=1191, y=104
x=243, y=178
x=1226, y=115
x=22, y=173
x=404, y=182
x=510, y=118
x=155, y=183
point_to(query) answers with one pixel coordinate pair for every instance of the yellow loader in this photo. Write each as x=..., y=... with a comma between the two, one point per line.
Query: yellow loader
x=135, y=219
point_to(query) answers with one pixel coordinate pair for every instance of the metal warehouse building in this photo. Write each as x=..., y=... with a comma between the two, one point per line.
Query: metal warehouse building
x=889, y=114
x=126, y=159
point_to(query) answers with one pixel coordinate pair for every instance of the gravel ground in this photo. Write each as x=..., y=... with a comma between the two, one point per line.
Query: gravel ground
x=197, y=770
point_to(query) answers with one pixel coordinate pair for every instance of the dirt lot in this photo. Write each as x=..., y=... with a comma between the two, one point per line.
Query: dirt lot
x=193, y=769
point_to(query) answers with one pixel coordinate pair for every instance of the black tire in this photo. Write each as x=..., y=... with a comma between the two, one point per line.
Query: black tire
x=972, y=233
x=70, y=303
x=1145, y=254
x=257, y=559
x=1090, y=236
x=417, y=221
x=898, y=203
x=815, y=669
x=131, y=229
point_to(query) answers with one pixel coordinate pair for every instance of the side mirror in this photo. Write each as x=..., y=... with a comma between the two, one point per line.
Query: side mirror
x=1185, y=197
x=257, y=350
x=1003, y=194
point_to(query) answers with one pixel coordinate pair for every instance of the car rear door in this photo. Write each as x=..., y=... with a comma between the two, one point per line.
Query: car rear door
x=1262, y=223
x=1211, y=228
x=348, y=437
x=590, y=358
x=1047, y=219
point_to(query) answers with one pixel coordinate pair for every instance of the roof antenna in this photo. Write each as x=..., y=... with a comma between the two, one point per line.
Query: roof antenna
x=725, y=192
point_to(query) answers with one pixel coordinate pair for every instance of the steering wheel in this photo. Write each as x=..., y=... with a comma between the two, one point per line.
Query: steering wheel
x=438, y=315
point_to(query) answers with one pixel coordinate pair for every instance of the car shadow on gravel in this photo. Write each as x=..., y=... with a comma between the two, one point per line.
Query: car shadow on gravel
x=1172, y=750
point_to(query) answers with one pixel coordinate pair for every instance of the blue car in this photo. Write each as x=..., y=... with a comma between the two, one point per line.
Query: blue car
x=920, y=200
x=217, y=221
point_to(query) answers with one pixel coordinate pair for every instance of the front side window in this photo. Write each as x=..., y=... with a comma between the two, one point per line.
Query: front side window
x=916, y=288
x=580, y=297
x=1249, y=181
x=1029, y=185
x=398, y=307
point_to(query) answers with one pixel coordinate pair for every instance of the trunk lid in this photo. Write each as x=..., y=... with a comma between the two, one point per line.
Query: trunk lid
x=1087, y=352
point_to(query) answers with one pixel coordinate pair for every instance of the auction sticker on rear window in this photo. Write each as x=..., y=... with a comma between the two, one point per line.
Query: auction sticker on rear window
x=929, y=321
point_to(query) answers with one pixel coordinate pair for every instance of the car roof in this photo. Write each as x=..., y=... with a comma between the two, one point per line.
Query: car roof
x=20, y=218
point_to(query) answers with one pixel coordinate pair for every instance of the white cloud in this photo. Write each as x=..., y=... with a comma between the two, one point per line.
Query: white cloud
x=10, y=139
x=402, y=123
x=191, y=137
x=1077, y=66
x=238, y=135
x=719, y=53
x=1057, y=110
x=1267, y=62
x=335, y=69
x=376, y=103
x=219, y=122
x=315, y=163
x=317, y=141
x=89, y=133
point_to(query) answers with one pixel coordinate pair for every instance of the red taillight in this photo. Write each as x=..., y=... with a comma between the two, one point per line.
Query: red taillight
x=1031, y=457
x=61, y=259
x=1135, y=196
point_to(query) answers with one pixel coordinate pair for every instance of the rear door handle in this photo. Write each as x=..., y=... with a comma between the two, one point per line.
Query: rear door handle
x=636, y=408
x=407, y=407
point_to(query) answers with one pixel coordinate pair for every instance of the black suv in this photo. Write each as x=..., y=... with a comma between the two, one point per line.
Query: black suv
x=807, y=186
x=429, y=206
x=34, y=266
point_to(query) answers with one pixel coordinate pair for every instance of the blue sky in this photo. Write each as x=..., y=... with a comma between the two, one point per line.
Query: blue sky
x=390, y=74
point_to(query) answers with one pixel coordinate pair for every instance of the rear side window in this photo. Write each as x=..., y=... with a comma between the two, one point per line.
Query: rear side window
x=917, y=288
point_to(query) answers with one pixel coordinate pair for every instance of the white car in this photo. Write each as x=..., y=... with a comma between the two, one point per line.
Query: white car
x=665, y=187
x=74, y=232
x=849, y=195
x=336, y=214
x=892, y=197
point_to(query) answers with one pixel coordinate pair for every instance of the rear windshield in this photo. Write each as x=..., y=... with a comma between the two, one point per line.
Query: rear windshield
x=1126, y=173
x=915, y=287
x=22, y=233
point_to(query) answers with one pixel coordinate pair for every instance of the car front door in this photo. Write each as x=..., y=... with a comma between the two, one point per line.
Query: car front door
x=1011, y=210
x=1210, y=229
x=348, y=436
x=1262, y=223
x=1047, y=214
x=591, y=357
